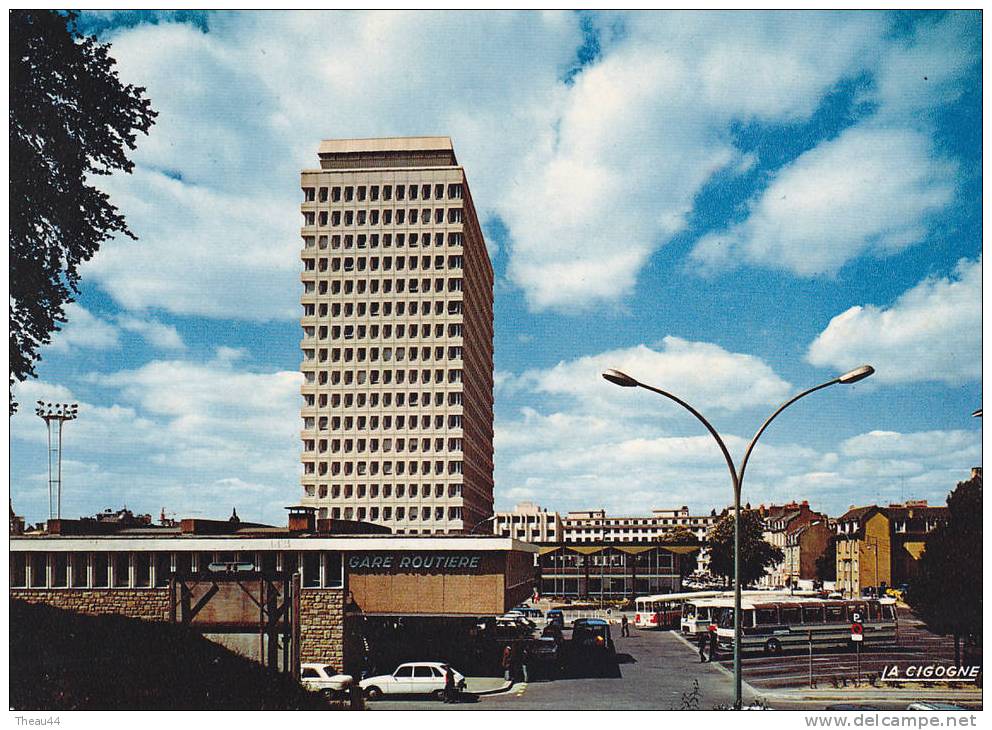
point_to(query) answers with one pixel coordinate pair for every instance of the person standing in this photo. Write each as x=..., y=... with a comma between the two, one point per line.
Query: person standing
x=507, y=662
x=524, y=657
x=712, y=635
x=704, y=643
x=624, y=626
x=449, y=685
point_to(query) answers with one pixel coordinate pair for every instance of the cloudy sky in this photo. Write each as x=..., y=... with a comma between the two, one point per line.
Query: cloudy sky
x=731, y=206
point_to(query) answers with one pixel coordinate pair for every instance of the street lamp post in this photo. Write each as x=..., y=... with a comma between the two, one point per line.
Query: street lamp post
x=58, y=413
x=737, y=479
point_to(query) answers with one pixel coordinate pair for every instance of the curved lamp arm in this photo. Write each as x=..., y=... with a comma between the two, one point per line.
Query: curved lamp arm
x=709, y=427
x=754, y=441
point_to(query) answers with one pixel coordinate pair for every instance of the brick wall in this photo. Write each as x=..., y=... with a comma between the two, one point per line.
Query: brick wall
x=151, y=604
x=322, y=626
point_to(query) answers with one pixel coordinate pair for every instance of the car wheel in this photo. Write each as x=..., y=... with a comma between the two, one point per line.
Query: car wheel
x=327, y=694
x=373, y=693
x=438, y=694
x=773, y=646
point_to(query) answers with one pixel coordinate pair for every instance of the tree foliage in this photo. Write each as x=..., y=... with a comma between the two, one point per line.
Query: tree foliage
x=756, y=553
x=70, y=118
x=689, y=561
x=947, y=591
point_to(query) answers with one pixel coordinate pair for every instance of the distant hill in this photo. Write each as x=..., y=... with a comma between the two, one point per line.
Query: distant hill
x=65, y=661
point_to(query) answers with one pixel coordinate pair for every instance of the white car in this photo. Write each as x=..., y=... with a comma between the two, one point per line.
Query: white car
x=324, y=679
x=419, y=678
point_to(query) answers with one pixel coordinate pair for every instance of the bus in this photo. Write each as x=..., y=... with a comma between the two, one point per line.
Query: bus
x=773, y=626
x=664, y=610
x=699, y=614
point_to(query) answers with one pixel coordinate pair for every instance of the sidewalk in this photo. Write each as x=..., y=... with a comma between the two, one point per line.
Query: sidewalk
x=865, y=694
x=486, y=685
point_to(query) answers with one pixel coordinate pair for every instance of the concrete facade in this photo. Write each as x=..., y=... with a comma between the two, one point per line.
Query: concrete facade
x=397, y=339
x=529, y=523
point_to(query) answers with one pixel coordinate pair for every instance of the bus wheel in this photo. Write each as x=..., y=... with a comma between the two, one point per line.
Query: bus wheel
x=773, y=646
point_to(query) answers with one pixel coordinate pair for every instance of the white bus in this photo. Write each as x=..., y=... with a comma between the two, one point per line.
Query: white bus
x=775, y=625
x=664, y=610
x=698, y=615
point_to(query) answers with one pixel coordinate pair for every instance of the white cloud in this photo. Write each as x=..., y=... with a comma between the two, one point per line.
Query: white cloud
x=871, y=190
x=931, y=332
x=84, y=330
x=702, y=373
x=157, y=334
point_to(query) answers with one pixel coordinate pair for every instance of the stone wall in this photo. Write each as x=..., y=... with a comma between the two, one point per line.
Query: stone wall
x=151, y=604
x=322, y=626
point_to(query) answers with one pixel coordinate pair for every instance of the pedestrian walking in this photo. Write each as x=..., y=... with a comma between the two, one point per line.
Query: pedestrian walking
x=712, y=643
x=524, y=658
x=507, y=662
x=450, y=692
x=624, y=626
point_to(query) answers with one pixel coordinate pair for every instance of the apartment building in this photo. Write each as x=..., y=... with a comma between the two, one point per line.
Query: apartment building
x=595, y=526
x=530, y=523
x=804, y=544
x=589, y=526
x=779, y=521
x=880, y=546
x=397, y=339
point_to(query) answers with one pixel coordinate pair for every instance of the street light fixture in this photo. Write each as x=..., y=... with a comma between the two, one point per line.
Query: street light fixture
x=737, y=479
x=59, y=413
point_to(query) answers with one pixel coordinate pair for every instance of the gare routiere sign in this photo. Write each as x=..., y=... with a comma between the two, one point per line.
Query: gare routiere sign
x=413, y=561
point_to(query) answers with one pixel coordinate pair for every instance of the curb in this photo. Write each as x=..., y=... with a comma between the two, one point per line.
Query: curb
x=505, y=687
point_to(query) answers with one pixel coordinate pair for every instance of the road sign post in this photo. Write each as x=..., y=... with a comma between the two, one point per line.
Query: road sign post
x=858, y=637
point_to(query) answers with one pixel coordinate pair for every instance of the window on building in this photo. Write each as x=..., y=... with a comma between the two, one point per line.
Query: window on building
x=142, y=570
x=60, y=570
x=311, y=569
x=80, y=570
x=18, y=570
x=39, y=570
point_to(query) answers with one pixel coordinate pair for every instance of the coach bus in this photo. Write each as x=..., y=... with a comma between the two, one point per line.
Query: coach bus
x=699, y=614
x=664, y=610
x=773, y=626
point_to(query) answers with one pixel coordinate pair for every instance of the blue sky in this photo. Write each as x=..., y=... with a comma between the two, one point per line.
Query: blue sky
x=732, y=206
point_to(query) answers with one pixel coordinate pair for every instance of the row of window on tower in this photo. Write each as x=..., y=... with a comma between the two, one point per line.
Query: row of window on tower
x=374, y=468
x=387, y=422
x=411, y=423
x=372, y=400
x=384, y=377
x=359, y=354
x=384, y=216
x=384, y=263
x=402, y=514
x=372, y=491
x=385, y=445
x=401, y=331
x=387, y=240
x=360, y=193
x=388, y=331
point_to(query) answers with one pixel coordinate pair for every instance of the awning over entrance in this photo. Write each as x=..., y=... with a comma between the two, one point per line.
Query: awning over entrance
x=549, y=549
x=681, y=549
x=635, y=550
x=586, y=549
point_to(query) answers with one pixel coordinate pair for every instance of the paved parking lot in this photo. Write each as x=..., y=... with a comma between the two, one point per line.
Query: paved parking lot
x=831, y=668
x=652, y=671
x=659, y=670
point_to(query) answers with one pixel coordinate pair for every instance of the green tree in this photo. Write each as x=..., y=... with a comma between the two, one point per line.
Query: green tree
x=947, y=591
x=70, y=118
x=756, y=553
x=688, y=562
x=826, y=564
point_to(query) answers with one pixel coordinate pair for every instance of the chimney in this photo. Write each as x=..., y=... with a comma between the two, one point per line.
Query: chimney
x=302, y=519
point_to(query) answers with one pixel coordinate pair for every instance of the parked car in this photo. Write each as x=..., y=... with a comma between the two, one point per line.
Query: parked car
x=323, y=678
x=555, y=616
x=935, y=706
x=545, y=649
x=591, y=635
x=531, y=613
x=412, y=678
